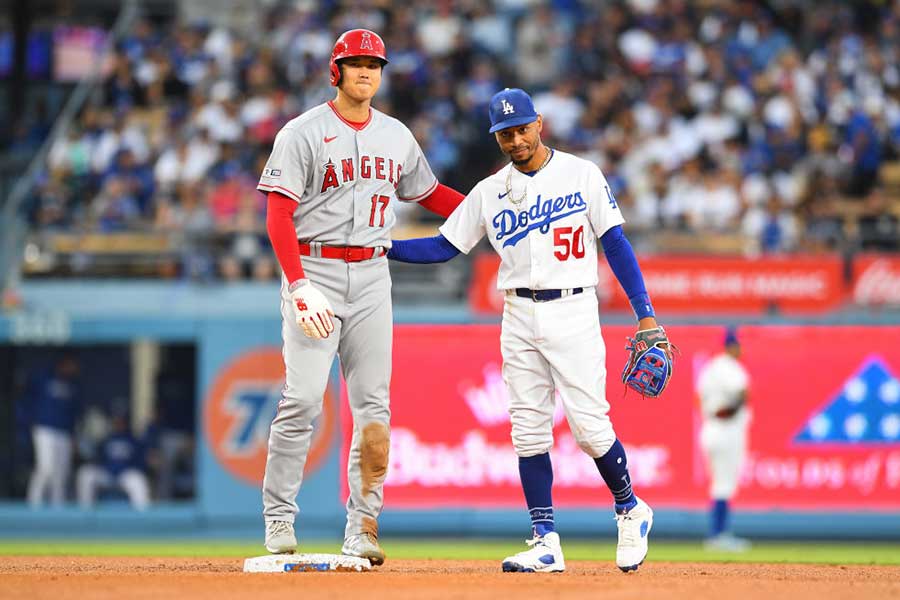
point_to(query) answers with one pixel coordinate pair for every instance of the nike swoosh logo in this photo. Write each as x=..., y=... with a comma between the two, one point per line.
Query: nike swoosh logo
x=500, y=196
x=330, y=139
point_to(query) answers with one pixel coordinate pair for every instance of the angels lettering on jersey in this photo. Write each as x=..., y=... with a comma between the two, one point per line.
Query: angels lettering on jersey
x=377, y=167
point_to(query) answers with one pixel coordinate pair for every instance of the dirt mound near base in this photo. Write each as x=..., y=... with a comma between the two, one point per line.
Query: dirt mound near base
x=56, y=578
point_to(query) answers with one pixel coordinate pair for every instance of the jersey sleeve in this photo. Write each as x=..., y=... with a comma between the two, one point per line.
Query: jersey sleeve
x=604, y=212
x=417, y=181
x=465, y=226
x=289, y=167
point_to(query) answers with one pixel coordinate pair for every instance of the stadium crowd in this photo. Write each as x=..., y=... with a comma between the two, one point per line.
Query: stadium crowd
x=777, y=129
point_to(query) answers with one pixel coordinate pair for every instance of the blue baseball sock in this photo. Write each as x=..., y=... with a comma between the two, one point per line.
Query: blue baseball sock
x=613, y=466
x=719, y=517
x=536, y=473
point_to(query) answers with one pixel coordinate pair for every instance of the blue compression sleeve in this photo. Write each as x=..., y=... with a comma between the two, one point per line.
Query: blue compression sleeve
x=621, y=259
x=423, y=250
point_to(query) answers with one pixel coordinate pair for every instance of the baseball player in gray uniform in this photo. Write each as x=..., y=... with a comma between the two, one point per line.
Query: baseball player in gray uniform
x=543, y=214
x=333, y=178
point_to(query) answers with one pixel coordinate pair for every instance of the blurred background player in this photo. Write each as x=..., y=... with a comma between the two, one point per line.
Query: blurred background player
x=119, y=464
x=543, y=214
x=333, y=178
x=722, y=387
x=53, y=402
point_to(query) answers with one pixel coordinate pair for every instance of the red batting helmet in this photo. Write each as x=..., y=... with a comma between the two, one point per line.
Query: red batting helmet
x=356, y=42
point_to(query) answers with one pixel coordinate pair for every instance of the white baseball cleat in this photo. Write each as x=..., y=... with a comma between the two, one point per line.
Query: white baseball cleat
x=634, y=529
x=280, y=537
x=726, y=542
x=364, y=545
x=544, y=556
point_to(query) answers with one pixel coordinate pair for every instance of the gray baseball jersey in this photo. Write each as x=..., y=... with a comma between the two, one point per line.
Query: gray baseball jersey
x=346, y=178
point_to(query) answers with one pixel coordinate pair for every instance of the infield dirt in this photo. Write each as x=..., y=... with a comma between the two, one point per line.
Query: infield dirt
x=60, y=577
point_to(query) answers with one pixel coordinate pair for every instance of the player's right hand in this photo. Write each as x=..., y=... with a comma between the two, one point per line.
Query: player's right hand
x=311, y=310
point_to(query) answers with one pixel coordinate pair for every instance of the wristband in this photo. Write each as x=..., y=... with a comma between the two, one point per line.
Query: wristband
x=296, y=284
x=642, y=306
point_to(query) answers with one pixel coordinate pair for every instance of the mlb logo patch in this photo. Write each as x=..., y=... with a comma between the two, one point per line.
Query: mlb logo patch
x=267, y=172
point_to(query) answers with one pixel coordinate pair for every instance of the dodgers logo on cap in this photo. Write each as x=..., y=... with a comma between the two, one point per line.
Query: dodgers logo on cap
x=510, y=108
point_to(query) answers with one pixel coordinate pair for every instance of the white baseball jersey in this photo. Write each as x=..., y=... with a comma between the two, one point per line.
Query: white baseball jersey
x=721, y=383
x=345, y=178
x=549, y=240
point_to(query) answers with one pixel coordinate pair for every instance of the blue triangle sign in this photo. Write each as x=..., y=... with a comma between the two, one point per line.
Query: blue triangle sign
x=865, y=410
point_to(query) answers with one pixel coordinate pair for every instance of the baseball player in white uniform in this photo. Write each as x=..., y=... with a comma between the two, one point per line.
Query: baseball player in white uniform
x=333, y=179
x=722, y=388
x=543, y=214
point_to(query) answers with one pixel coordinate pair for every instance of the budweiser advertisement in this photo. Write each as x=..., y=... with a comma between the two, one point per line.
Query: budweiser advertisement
x=825, y=429
x=876, y=280
x=705, y=284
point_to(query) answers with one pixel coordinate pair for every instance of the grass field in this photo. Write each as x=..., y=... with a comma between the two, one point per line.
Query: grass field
x=768, y=552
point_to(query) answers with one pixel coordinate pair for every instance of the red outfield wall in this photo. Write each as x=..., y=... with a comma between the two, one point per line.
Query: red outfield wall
x=825, y=432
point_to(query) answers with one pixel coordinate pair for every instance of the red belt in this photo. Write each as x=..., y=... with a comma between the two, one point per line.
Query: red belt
x=346, y=253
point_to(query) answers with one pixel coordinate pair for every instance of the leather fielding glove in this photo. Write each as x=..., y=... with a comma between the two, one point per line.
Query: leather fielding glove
x=651, y=362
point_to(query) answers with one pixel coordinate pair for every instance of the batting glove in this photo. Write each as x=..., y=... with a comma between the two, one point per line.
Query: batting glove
x=312, y=310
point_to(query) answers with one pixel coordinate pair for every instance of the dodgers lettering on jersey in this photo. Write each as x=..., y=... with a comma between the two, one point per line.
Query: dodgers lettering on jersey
x=512, y=227
x=549, y=240
x=345, y=179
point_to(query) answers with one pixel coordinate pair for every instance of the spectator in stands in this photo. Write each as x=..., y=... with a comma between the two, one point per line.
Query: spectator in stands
x=53, y=403
x=439, y=31
x=121, y=90
x=825, y=227
x=117, y=134
x=119, y=463
x=51, y=210
x=240, y=216
x=541, y=47
x=644, y=212
x=137, y=177
x=491, y=32
x=70, y=155
x=189, y=217
x=561, y=109
x=862, y=146
x=772, y=229
x=172, y=166
x=115, y=208
x=716, y=205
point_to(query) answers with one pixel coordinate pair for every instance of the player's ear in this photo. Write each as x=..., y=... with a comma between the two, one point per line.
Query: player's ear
x=540, y=123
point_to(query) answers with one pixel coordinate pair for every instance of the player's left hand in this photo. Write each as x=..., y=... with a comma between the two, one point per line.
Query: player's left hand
x=311, y=310
x=651, y=361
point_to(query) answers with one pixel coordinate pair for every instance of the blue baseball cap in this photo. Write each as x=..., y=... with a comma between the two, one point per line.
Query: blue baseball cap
x=510, y=108
x=731, y=337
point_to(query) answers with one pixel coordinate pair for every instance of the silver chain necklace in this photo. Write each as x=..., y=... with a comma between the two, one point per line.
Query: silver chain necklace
x=520, y=199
